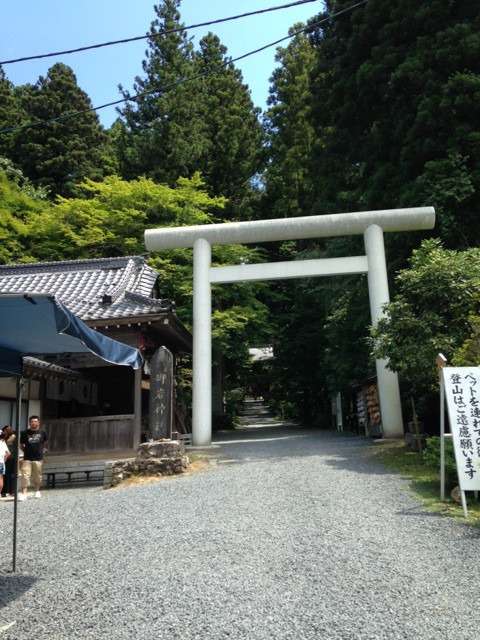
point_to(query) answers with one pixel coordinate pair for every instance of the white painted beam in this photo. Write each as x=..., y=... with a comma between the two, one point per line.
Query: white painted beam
x=292, y=269
x=323, y=226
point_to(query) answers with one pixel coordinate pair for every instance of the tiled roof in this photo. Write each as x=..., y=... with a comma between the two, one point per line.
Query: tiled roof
x=92, y=289
x=36, y=365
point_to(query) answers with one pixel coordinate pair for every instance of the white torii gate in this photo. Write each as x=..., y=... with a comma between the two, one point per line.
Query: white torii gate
x=371, y=224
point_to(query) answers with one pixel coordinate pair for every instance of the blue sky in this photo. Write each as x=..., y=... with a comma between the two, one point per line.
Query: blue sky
x=28, y=27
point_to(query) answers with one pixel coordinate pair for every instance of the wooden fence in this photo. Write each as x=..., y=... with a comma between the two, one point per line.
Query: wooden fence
x=97, y=433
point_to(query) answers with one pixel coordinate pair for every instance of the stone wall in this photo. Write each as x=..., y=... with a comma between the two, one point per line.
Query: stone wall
x=158, y=458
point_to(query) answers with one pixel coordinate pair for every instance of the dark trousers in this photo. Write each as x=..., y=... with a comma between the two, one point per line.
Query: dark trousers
x=8, y=480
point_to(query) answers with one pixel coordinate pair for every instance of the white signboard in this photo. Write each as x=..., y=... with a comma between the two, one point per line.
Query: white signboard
x=462, y=392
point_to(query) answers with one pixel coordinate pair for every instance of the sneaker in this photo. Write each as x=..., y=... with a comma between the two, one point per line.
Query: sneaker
x=37, y=494
x=22, y=497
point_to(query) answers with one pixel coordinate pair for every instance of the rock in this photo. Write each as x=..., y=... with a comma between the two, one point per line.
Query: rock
x=456, y=495
x=160, y=449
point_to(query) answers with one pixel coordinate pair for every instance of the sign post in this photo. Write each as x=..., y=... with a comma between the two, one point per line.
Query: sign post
x=441, y=362
x=462, y=392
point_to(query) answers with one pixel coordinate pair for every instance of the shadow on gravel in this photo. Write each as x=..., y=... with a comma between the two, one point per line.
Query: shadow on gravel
x=292, y=441
x=359, y=461
x=14, y=586
x=419, y=511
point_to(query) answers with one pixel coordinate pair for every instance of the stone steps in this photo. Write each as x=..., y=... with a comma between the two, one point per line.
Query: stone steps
x=256, y=412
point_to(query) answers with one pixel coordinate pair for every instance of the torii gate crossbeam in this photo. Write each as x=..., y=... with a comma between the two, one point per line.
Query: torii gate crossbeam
x=371, y=224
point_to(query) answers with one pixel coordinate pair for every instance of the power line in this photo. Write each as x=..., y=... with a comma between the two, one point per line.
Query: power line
x=162, y=33
x=181, y=81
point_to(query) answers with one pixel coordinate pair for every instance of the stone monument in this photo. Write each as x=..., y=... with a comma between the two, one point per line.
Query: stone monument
x=161, y=394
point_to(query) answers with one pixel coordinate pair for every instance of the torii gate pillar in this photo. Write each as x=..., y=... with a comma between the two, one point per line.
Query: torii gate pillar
x=202, y=345
x=388, y=387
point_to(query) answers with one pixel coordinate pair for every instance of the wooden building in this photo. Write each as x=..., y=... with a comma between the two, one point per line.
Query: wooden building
x=85, y=404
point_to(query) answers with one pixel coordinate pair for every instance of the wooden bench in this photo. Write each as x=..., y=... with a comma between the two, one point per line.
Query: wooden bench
x=186, y=438
x=65, y=473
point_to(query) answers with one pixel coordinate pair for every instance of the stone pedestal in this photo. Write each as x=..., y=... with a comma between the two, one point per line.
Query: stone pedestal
x=158, y=458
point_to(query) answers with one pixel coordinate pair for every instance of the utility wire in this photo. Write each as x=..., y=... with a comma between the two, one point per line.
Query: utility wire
x=161, y=33
x=181, y=81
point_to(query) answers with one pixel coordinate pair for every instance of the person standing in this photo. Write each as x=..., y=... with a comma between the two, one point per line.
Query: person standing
x=33, y=443
x=8, y=481
x=4, y=454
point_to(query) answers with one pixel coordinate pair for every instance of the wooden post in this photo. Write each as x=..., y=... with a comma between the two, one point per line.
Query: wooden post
x=137, y=407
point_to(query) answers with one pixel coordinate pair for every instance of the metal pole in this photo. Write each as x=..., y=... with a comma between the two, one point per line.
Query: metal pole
x=388, y=387
x=441, y=362
x=442, y=437
x=202, y=345
x=464, y=503
x=173, y=401
x=15, y=472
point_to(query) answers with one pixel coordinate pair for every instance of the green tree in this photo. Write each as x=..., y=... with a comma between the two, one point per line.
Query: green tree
x=15, y=175
x=109, y=218
x=392, y=102
x=194, y=114
x=161, y=134
x=232, y=132
x=290, y=131
x=20, y=204
x=320, y=336
x=396, y=111
x=468, y=354
x=11, y=115
x=61, y=153
x=430, y=313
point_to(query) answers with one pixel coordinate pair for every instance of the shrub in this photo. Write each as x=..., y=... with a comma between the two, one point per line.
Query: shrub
x=431, y=457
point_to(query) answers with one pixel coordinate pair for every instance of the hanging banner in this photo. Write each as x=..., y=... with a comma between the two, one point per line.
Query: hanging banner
x=462, y=392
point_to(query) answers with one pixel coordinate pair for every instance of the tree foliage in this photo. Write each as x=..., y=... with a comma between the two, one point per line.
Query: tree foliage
x=396, y=115
x=109, y=218
x=11, y=114
x=290, y=131
x=430, y=313
x=320, y=331
x=194, y=114
x=160, y=129
x=20, y=204
x=58, y=154
x=468, y=354
x=387, y=116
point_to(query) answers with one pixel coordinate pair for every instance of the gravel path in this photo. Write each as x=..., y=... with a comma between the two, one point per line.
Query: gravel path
x=293, y=534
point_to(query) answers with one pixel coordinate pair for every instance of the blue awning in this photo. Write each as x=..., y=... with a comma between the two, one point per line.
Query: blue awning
x=40, y=325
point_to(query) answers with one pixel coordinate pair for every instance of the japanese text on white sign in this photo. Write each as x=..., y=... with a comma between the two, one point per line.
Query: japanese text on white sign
x=462, y=392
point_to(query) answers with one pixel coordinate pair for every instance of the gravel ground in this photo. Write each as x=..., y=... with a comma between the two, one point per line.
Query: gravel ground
x=292, y=534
